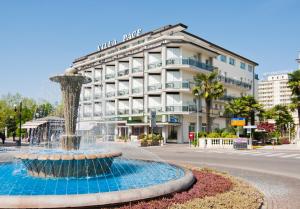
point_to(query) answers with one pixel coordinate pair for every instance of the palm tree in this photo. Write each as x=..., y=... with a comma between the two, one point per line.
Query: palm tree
x=245, y=107
x=294, y=85
x=209, y=88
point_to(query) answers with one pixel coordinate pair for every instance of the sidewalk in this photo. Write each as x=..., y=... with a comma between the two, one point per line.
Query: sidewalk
x=281, y=147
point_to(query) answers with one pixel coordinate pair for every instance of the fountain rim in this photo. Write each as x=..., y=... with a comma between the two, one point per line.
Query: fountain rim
x=101, y=199
x=60, y=77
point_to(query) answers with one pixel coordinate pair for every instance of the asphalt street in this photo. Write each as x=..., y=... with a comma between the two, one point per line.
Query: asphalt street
x=274, y=172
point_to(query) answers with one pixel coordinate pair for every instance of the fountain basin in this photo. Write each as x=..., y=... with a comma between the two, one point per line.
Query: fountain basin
x=129, y=180
x=68, y=164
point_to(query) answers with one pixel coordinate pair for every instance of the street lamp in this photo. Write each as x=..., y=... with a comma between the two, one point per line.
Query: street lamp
x=20, y=124
x=197, y=126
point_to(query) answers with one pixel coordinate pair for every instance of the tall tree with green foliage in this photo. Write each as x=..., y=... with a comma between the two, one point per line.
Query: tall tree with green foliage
x=208, y=87
x=294, y=85
x=246, y=107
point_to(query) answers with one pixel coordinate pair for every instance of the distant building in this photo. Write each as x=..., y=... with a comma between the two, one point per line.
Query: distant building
x=274, y=90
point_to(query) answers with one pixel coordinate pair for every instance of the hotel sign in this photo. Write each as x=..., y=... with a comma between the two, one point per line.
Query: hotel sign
x=238, y=122
x=126, y=37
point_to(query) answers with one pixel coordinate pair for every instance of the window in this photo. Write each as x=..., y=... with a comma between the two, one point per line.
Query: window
x=243, y=65
x=250, y=68
x=231, y=61
x=223, y=58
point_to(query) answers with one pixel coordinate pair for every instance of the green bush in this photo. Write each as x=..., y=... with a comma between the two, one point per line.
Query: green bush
x=213, y=135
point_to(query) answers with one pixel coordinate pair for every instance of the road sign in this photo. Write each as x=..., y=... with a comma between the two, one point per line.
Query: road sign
x=250, y=127
x=238, y=122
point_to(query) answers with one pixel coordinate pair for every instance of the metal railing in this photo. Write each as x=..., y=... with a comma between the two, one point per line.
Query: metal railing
x=97, y=96
x=97, y=114
x=189, y=61
x=123, y=111
x=157, y=109
x=137, y=111
x=123, y=72
x=109, y=76
x=235, y=82
x=110, y=94
x=123, y=92
x=181, y=108
x=179, y=85
x=108, y=113
x=154, y=65
x=137, y=69
x=154, y=87
x=137, y=90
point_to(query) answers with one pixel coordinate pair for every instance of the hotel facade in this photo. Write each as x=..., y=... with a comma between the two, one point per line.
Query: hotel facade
x=153, y=72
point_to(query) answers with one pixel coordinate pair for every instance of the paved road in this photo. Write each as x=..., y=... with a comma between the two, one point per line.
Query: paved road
x=275, y=172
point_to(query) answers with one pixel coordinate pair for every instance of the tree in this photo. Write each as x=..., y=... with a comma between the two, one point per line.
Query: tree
x=282, y=116
x=245, y=107
x=209, y=88
x=294, y=85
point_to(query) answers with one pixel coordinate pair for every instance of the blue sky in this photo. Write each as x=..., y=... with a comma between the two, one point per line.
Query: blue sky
x=41, y=38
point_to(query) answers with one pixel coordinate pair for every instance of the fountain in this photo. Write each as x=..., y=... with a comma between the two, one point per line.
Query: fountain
x=102, y=174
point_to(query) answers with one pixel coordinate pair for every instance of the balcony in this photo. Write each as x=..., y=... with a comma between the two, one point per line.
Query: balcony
x=154, y=87
x=109, y=76
x=227, y=98
x=87, y=98
x=123, y=111
x=97, y=96
x=189, y=61
x=137, y=69
x=123, y=92
x=110, y=94
x=97, y=114
x=98, y=78
x=154, y=65
x=123, y=72
x=156, y=109
x=109, y=113
x=178, y=85
x=137, y=111
x=235, y=82
x=137, y=90
x=87, y=114
x=181, y=108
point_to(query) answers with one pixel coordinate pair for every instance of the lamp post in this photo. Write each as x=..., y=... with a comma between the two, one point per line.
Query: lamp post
x=197, y=126
x=20, y=123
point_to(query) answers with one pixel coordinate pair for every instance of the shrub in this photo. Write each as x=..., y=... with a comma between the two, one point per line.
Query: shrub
x=213, y=135
x=284, y=140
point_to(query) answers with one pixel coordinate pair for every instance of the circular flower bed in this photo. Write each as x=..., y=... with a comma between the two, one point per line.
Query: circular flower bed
x=211, y=190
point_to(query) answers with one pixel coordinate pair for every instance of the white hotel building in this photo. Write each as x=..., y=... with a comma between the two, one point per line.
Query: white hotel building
x=154, y=71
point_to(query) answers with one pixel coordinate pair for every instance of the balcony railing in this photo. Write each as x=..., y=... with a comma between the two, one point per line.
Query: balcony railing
x=87, y=114
x=97, y=96
x=123, y=111
x=234, y=82
x=111, y=112
x=189, y=61
x=181, y=108
x=154, y=65
x=137, y=69
x=227, y=98
x=179, y=85
x=97, y=114
x=137, y=111
x=109, y=76
x=98, y=78
x=123, y=72
x=123, y=92
x=110, y=94
x=154, y=87
x=86, y=98
x=137, y=90
x=156, y=109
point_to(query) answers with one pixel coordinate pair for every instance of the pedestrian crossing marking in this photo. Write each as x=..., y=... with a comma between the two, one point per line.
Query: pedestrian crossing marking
x=291, y=155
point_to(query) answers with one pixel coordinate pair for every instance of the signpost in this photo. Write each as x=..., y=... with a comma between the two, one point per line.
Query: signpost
x=238, y=122
x=249, y=127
